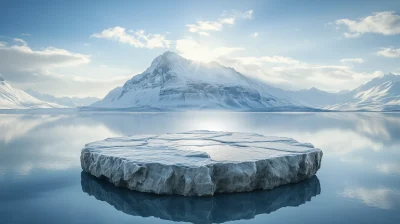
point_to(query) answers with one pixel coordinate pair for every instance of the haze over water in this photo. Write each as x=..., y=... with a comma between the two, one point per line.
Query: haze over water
x=41, y=179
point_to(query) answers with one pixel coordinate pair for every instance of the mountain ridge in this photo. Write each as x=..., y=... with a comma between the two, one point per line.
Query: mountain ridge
x=64, y=101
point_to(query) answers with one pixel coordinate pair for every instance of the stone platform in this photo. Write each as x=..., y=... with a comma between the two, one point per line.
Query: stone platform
x=200, y=163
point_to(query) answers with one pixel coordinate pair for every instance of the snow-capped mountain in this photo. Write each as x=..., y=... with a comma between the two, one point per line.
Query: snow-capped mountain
x=379, y=94
x=13, y=98
x=173, y=82
x=64, y=101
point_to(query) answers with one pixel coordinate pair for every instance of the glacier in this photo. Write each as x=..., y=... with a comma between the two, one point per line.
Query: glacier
x=200, y=163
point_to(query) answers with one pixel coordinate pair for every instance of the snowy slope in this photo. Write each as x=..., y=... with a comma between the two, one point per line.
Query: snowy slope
x=379, y=94
x=175, y=82
x=13, y=98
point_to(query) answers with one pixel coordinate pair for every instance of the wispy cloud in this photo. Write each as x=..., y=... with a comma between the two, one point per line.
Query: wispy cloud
x=19, y=41
x=267, y=59
x=26, y=34
x=351, y=35
x=290, y=73
x=352, y=60
x=255, y=35
x=23, y=58
x=138, y=39
x=386, y=23
x=389, y=52
x=227, y=18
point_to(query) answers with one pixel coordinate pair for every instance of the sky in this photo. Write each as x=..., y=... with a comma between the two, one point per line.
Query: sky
x=87, y=48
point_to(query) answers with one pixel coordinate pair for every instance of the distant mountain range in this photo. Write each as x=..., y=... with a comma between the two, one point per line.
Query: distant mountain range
x=64, y=101
x=379, y=94
x=173, y=83
x=13, y=98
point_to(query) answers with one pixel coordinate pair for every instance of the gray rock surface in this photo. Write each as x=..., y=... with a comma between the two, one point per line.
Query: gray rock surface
x=200, y=163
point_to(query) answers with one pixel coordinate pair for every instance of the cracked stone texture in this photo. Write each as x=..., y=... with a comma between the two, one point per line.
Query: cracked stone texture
x=218, y=209
x=200, y=163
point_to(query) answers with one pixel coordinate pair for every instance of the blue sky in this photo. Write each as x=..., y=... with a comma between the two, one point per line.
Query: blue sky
x=86, y=48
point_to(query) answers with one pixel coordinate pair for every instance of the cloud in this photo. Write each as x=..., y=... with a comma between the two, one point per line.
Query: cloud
x=203, y=26
x=352, y=60
x=21, y=58
x=386, y=23
x=236, y=14
x=267, y=59
x=230, y=21
x=138, y=39
x=26, y=34
x=203, y=33
x=383, y=198
x=289, y=73
x=193, y=50
x=19, y=41
x=56, y=71
x=227, y=18
x=255, y=35
x=352, y=35
x=389, y=52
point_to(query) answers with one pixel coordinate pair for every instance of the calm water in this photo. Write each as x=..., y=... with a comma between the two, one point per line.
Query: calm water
x=41, y=179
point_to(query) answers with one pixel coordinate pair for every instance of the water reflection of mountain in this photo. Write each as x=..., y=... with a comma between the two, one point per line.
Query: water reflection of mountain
x=217, y=209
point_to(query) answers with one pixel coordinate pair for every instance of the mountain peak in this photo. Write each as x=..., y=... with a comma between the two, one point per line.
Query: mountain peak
x=170, y=54
x=171, y=57
x=167, y=57
x=167, y=60
x=2, y=79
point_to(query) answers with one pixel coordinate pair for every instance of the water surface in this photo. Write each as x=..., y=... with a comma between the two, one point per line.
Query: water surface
x=41, y=179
